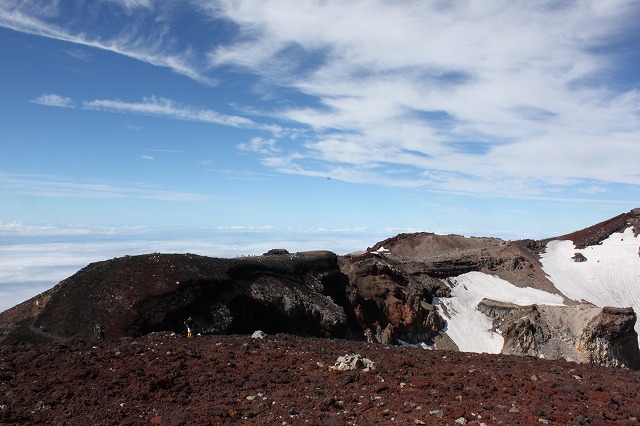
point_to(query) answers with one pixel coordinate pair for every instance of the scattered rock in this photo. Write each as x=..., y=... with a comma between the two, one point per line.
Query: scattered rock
x=353, y=362
x=168, y=380
x=258, y=334
x=579, y=257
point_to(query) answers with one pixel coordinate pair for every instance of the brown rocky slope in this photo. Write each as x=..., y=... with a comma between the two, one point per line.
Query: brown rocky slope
x=166, y=379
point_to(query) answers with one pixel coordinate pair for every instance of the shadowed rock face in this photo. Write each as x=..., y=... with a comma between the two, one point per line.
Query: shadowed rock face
x=308, y=294
x=131, y=296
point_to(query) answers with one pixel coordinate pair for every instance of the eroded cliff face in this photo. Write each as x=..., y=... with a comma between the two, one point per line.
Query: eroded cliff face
x=298, y=293
x=581, y=333
x=610, y=339
x=392, y=299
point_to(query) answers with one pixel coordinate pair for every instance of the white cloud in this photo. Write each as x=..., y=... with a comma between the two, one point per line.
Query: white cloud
x=49, y=186
x=54, y=100
x=133, y=4
x=163, y=107
x=167, y=108
x=497, y=95
x=594, y=189
x=516, y=98
x=38, y=17
x=19, y=229
x=260, y=145
x=154, y=106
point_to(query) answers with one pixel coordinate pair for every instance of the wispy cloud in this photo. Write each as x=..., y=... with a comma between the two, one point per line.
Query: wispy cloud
x=133, y=4
x=50, y=186
x=168, y=108
x=19, y=229
x=163, y=107
x=54, y=100
x=46, y=18
x=498, y=96
x=260, y=145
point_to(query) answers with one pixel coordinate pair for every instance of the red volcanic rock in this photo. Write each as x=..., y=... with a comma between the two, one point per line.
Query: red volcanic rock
x=392, y=299
x=601, y=231
x=165, y=379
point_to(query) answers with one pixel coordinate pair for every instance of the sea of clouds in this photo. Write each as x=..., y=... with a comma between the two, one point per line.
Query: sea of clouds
x=31, y=263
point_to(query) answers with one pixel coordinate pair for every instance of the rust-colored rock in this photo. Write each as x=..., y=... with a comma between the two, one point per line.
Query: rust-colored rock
x=164, y=379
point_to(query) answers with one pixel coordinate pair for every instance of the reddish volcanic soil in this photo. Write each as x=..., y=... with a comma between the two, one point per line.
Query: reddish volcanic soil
x=164, y=379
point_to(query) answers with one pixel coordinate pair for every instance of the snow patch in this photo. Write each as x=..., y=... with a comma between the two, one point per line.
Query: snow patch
x=469, y=328
x=610, y=276
x=381, y=250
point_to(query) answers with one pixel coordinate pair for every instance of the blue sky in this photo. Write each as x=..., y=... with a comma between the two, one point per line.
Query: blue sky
x=315, y=121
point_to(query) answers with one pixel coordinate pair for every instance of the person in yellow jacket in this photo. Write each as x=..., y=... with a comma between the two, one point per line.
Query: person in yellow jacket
x=189, y=323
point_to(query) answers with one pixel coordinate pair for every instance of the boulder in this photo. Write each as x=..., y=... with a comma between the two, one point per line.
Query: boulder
x=579, y=257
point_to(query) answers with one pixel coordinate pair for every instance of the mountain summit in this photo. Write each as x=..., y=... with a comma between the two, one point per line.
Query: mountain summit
x=573, y=296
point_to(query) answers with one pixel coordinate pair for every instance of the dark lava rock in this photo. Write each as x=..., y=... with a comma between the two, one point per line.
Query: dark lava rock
x=136, y=295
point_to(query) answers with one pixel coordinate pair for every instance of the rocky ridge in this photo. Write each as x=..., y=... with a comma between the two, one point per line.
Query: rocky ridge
x=384, y=295
x=135, y=295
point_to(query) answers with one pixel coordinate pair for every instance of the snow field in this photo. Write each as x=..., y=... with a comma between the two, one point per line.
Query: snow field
x=609, y=277
x=469, y=328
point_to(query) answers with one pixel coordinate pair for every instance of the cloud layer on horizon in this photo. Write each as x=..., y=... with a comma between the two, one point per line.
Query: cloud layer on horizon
x=502, y=98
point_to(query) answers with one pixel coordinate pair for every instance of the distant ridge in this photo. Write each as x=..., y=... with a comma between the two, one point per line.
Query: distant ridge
x=599, y=232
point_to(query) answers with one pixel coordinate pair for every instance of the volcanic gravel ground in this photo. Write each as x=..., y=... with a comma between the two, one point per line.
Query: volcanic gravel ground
x=166, y=379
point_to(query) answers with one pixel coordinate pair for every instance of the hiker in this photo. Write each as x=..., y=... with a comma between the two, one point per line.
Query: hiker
x=189, y=323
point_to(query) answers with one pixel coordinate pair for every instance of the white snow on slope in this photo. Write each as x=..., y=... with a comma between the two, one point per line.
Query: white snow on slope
x=469, y=328
x=609, y=277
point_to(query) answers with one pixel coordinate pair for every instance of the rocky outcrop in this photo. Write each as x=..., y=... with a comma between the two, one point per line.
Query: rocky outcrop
x=297, y=293
x=367, y=297
x=392, y=299
x=581, y=333
x=579, y=258
x=610, y=339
